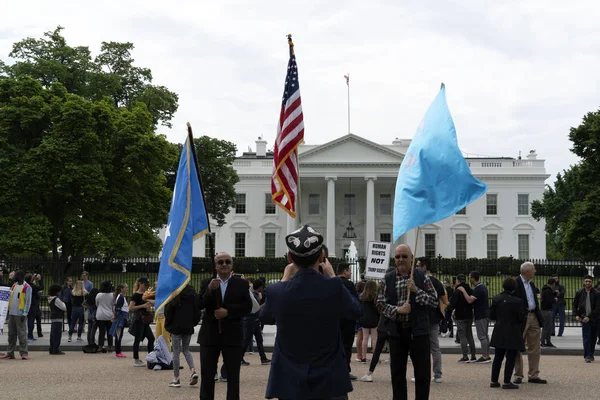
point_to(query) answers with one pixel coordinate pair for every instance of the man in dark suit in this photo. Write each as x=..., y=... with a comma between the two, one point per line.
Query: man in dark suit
x=308, y=357
x=226, y=300
x=532, y=331
x=347, y=326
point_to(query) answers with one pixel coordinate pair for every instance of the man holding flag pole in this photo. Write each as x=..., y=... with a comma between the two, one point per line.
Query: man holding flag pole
x=434, y=182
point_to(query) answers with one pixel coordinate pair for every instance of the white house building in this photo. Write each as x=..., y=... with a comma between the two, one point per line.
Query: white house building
x=347, y=193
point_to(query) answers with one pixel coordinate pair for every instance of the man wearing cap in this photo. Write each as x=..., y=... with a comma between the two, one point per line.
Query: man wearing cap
x=407, y=323
x=308, y=357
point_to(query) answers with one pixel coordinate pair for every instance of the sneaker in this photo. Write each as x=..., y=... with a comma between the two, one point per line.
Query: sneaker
x=245, y=363
x=59, y=353
x=437, y=380
x=364, y=361
x=386, y=361
x=367, y=378
x=120, y=355
x=509, y=386
x=25, y=357
x=40, y=335
x=358, y=359
x=473, y=360
x=221, y=379
x=216, y=377
x=193, y=379
x=495, y=385
x=69, y=339
x=550, y=344
x=352, y=377
x=175, y=383
x=484, y=360
x=251, y=353
x=266, y=361
x=413, y=380
x=31, y=340
x=588, y=360
x=7, y=357
x=79, y=339
x=139, y=363
x=464, y=359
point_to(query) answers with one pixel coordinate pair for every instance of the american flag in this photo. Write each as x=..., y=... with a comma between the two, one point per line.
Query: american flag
x=290, y=133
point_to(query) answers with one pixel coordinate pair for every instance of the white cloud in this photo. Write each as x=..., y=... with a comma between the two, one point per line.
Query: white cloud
x=518, y=74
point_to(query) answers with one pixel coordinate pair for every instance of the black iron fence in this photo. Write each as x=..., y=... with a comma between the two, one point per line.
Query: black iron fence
x=492, y=271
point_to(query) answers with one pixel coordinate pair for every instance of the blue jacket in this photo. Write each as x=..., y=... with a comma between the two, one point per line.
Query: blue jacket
x=308, y=356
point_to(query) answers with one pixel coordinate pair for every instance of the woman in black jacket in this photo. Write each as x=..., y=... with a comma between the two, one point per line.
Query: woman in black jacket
x=509, y=313
x=181, y=316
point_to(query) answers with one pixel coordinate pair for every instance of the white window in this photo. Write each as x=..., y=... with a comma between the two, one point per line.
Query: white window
x=314, y=204
x=462, y=211
x=523, y=247
x=461, y=245
x=523, y=204
x=492, y=246
x=349, y=204
x=207, y=243
x=269, y=205
x=385, y=204
x=240, y=244
x=269, y=244
x=492, y=204
x=240, y=203
x=430, y=245
x=385, y=237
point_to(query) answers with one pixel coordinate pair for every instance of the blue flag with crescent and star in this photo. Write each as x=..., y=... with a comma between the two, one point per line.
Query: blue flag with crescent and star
x=187, y=221
x=434, y=180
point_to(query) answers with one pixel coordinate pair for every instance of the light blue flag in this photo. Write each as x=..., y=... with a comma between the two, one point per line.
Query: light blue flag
x=434, y=180
x=187, y=222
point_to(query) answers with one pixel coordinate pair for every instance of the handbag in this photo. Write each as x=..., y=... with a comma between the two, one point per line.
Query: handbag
x=147, y=318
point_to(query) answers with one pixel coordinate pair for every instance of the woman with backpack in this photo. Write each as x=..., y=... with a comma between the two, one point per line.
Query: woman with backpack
x=120, y=317
x=104, y=315
x=181, y=316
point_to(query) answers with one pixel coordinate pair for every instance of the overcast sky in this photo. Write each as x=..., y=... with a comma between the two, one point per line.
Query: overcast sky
x=518, y=74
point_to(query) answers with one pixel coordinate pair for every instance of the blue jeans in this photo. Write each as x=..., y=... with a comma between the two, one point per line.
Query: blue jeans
x=76, y=317
x=560, y=310
x=588, y=332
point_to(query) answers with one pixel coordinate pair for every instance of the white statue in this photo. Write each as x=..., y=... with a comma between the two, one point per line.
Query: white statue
x=352, y=259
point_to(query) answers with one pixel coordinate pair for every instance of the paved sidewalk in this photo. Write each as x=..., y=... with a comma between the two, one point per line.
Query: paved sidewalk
x=569, y=344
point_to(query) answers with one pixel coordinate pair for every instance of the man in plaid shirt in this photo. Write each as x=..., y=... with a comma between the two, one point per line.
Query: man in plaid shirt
x=407, y=323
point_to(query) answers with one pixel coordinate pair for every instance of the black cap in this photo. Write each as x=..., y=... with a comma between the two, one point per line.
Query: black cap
x=304, y=242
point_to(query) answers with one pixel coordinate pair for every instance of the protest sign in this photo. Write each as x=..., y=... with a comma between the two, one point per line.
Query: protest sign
x=378, y=259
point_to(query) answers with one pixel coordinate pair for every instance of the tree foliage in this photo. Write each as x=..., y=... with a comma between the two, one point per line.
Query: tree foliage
x=571, y=207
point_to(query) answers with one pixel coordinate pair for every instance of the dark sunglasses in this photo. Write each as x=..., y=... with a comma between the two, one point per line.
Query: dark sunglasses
x=221, y=262
x=401, y=256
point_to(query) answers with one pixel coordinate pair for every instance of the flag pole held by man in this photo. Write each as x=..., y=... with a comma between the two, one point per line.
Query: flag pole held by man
x=188, y=220
x=434, y=182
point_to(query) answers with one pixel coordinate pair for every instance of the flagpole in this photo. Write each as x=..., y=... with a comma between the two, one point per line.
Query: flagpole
x=412, y=268
x=348, y=84
x=208, y=236
x=298, y=205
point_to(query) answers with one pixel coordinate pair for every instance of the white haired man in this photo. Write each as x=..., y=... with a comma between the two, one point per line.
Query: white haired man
x=526, y=291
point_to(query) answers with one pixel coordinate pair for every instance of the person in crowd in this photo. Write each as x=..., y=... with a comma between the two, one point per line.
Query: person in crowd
x=405, y=299
x=104, y=314
x=90, y=305
x=140, y=328
x=479, y=300
x=77, y=315
x=360, y=287
x=586, y=307
x=463, y=312
x=448, y=315
x=226, y=299
x=559, y=307
x=181, y=316
x=57, y=309
x=159, y=326
x=547, y=302
x=120, y=317
x=253, y=325
x=435, y=317
x=66, y=295
x=381, y=340
x=509, y=313
x=347, y=327
x=37, y=286
x=531, y=328
x=369, y=319
x=303, y=304
x=19, y=303
x=3, y=281
x=87, y=284
x=247, y=324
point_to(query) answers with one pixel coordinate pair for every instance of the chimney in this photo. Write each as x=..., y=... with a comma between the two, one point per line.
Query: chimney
x=397, y=142
x=532, y=155
x=261, y=147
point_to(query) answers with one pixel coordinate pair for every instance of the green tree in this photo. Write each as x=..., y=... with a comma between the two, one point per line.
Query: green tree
x=215, y=161
x=112, y=73
x=571, y=207
x=79, y=177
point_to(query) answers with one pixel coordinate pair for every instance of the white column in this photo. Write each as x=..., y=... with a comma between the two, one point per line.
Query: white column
x=331, y=214
x=370, y=210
